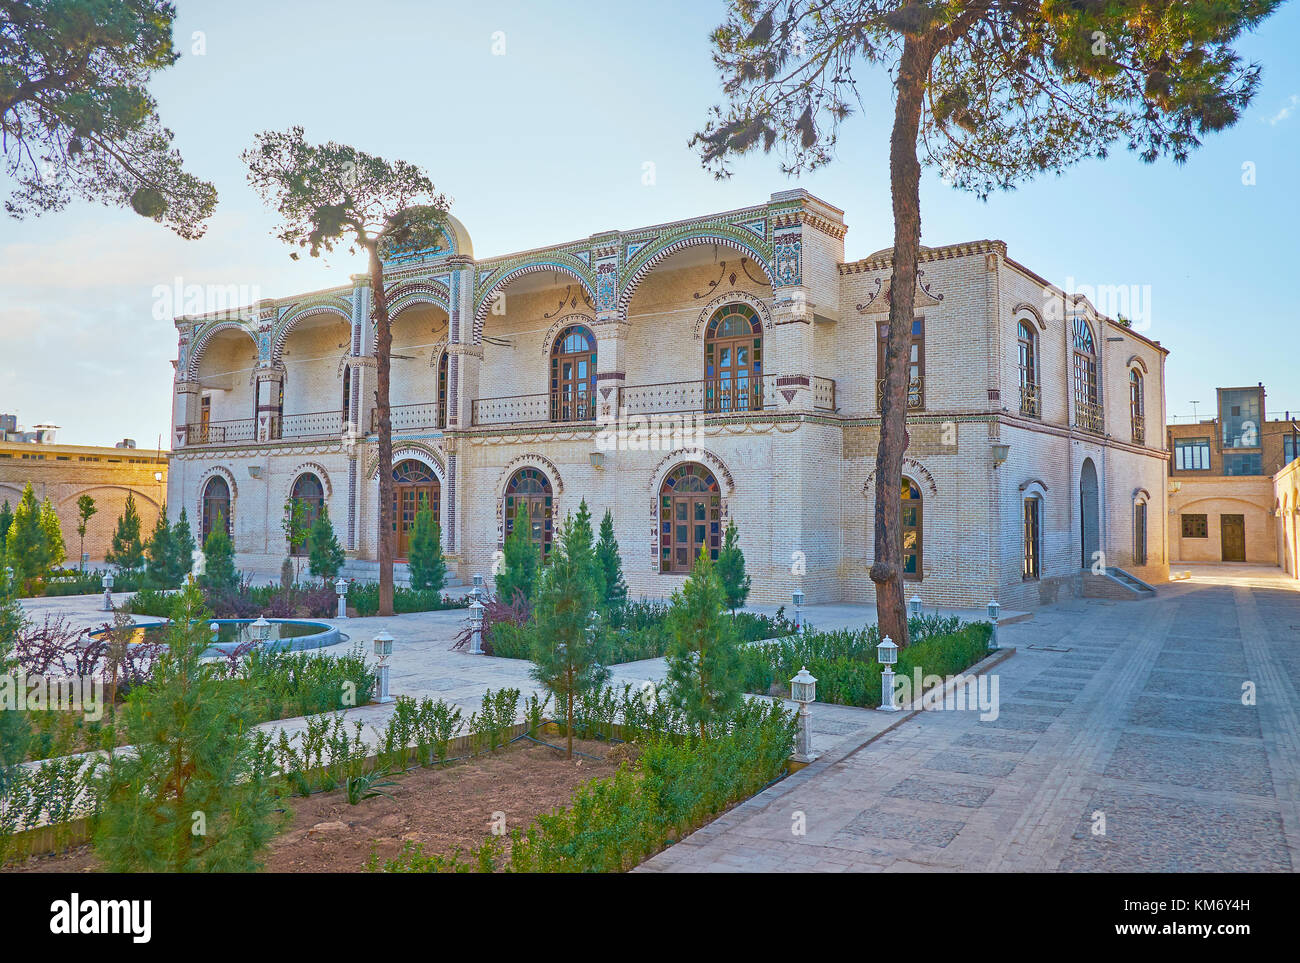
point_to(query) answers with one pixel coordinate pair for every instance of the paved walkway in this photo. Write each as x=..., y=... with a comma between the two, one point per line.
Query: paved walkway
x=1122, y=744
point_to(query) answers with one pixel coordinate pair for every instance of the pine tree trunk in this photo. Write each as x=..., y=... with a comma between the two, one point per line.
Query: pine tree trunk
x=384, y=425
x=905, y=185
x=569, y=726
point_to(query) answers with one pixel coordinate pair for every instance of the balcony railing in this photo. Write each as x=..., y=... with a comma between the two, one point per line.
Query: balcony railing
x=1139, y=429
x=432, y=414
x=315, y=424
x=1031, y=402
x=1088, y=416
x=219, y=432
x=915, y=394
x=711, y=396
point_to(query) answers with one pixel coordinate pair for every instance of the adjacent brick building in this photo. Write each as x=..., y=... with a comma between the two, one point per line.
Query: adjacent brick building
x=1225, y=501
x=684, y=374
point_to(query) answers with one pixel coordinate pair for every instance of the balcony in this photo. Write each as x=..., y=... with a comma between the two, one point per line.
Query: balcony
x=915, y=394
x=428, y=415
x=1088, y=416
x=715, y=396
x=313, y=425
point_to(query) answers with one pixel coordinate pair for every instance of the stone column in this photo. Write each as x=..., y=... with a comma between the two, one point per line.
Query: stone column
x=185, y=411
x=464, y=354
x=358, y=414
x=267, y=385
x=611, y=365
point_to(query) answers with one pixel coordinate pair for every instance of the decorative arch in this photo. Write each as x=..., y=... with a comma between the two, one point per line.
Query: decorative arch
x=758, y=305
x=140, y=495
x=313, y=468
x=530, y=460
x=1137, y=362
x=571, y=376
x=1141, y=495
x=418, y=292
x=411, y=449
x=232, y=491
x=646, y=259
x=1026, y=311
x=710, y=461
x=562, y=324
x=301, y=313
x=1033, y=488
x=201, y=342
x=733, y=359
x=576, y=270
x=911, y=468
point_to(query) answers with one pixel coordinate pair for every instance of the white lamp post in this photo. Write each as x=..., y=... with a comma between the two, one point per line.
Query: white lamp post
x=478, y=591
x=108, y=591
x=260, y=630
x=476, y=625
x=887, y=655
x=383, y=649
x=993, y=617
x=341, y=590
x=798, y=610
x=803, y=690
x=914, y=607
x=215, y=629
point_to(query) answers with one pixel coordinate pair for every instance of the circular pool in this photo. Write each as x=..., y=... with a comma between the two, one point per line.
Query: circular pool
x=231, y=634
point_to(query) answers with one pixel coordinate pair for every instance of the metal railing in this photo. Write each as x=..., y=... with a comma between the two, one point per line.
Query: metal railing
x=1088, y=416
x=314, y=424
x=430, y=414
x=915, y=394
x=218, y=432
x=548, y=407
x=1031, y=402
x=1139, y=429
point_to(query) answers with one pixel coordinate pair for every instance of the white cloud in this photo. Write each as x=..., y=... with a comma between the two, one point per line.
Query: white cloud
x=1286, y=111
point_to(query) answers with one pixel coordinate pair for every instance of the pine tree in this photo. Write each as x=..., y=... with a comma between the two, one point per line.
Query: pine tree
x=26, y=544
x=731, y=569
x=219, y=571
x=428, y=568
x=53, y=532
x=297, y=531
x=520, y=561
x=324, y=553
x=183, y=549
x=704, y=655
x=6, y=519
x=85, y=511
x=160, y=554
x=14, y=728
x=565, y=644
x=128, y=550
x=582, y=539
x=196, y=793
x=611, y=563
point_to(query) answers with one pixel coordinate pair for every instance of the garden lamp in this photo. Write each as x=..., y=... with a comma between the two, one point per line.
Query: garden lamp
x=108, y=591
x=887, y=655
x=914, y=607
x=803, y=690
x=383, y=649
x=341, y=590
x=260, y=630
x=993, y=617
x=476, y=626
x=798, y=610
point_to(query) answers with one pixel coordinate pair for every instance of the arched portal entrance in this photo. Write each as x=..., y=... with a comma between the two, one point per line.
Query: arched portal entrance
x=414, y=483
x=1089, y=513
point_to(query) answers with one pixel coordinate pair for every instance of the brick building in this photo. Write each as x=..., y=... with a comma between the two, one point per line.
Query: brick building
x=64, y=473
x=1225, y=501
x=684, y=374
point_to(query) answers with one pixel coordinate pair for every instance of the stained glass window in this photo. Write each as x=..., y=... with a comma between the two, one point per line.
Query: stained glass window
x=690, y=517
x=530, y=489
x=733, y=360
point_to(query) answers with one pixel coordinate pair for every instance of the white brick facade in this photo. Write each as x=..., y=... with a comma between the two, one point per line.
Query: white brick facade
x=795, y=473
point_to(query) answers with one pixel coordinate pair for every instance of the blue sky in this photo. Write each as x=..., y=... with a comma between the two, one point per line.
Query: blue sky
x=547, y=143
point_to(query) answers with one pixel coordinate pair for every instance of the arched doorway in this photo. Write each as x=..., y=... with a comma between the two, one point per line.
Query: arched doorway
x=310, y=493
x=530, y=489
x=913, y=537
x=690, y=517
x=573, y=375
x=216, y=503
x=1089, y=513
x=733, y=360
x=414, y=483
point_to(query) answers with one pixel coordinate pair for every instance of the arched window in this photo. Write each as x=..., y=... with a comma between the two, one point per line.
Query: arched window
x=733, y=360
x=414, y=486
x=690, y=517
x=1033, y=539
x=310, y=493
x=347, y=393
x=1087, y=406
x=442, y=390
x=530, y=489
x=915, y=364
x=573, y=375
x=1137, y=406
x=1030, y=401
x=912, y=531
x=216, y=504
x=1140, y=531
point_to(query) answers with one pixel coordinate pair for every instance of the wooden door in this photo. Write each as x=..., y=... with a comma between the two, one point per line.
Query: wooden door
x=690, y=529
x=406, y=505
x=1232, y=530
